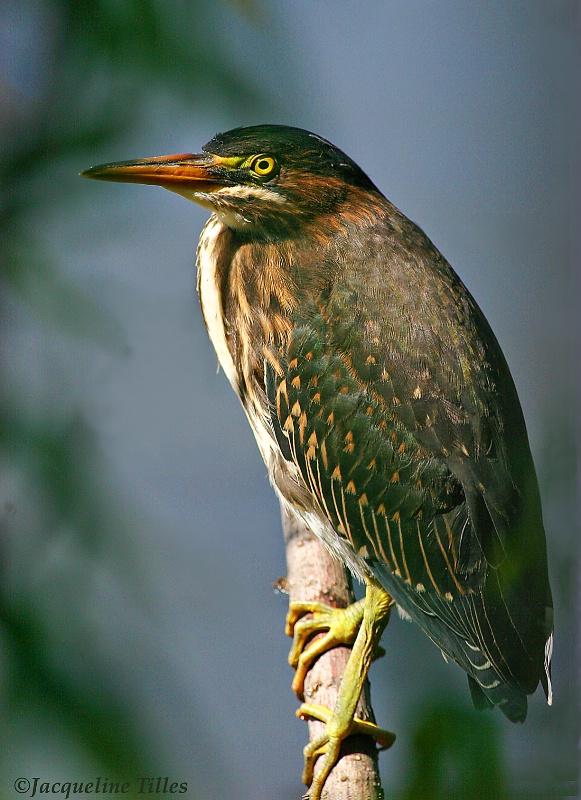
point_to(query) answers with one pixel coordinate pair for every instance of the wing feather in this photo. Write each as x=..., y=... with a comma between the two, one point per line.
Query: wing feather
x=402, y=438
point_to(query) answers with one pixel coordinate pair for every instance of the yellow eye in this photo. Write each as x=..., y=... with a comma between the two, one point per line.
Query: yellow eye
x=263, y=165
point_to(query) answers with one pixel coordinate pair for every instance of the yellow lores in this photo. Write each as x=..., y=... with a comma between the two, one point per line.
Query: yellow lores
x=383, y=408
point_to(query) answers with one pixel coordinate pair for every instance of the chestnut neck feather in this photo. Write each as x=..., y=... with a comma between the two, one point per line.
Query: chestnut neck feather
x=262, y=282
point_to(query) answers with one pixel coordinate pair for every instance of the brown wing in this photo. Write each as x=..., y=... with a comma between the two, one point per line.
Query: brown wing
x=401, y=434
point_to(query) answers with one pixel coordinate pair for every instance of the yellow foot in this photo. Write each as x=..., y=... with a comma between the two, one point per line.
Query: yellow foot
x=329, y=743
x=361, y=625
x=340, y=626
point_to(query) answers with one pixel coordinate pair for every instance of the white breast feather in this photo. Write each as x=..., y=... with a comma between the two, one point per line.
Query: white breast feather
x=211, y=299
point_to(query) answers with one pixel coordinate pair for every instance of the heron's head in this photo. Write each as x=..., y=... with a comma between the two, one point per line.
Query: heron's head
x=267, y=179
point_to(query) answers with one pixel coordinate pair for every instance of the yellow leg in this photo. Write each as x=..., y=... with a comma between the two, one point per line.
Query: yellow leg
x=370, y=616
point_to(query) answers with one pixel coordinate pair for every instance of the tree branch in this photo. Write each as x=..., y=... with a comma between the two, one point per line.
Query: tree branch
x=314, y=575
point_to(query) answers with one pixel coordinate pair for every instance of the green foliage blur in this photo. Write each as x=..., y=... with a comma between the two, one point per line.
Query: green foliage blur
x=456, y=753
x=98, y=63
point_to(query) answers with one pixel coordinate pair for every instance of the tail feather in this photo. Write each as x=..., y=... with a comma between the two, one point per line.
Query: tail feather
x=488, y=685
x=546, y=676
x=512, y=702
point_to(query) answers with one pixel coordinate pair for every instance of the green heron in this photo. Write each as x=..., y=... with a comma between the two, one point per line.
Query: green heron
x=383, y=407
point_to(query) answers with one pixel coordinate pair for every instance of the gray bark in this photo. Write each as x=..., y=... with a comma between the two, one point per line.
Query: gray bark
x=314, y=575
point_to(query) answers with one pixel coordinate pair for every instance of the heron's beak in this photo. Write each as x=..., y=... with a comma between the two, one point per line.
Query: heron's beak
x=185, y=173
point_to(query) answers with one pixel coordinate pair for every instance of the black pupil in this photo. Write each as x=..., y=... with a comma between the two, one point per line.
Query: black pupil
x=263, y=165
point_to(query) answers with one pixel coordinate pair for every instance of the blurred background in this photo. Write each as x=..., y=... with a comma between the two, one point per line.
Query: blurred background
x=139, y=539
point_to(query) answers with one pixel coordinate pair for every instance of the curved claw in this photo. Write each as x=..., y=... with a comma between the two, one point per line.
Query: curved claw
x=298, y=609
x=340, y=625
x=329, y=743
